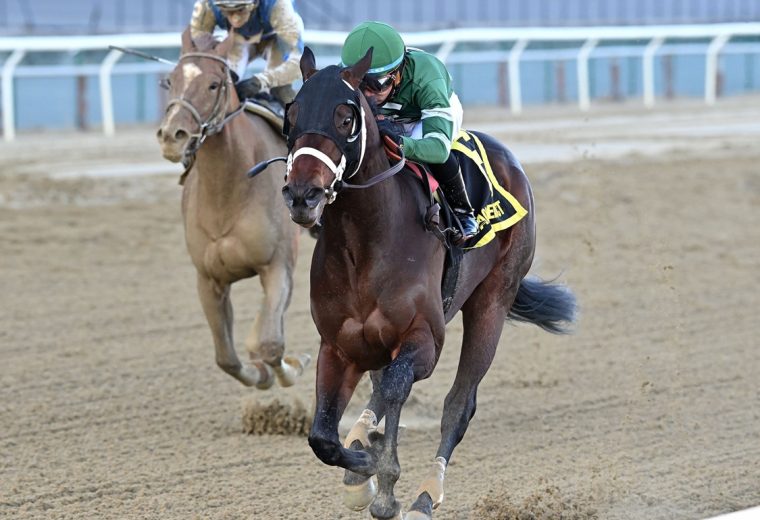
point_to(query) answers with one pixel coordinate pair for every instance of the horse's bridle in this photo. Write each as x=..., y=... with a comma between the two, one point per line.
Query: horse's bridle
x=216, y=120
x=352, y=147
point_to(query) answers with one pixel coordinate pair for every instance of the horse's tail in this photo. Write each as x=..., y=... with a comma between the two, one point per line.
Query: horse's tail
x=550, y=306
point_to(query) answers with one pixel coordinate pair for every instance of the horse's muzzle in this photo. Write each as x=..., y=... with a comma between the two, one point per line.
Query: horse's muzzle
x=173, y=142
x=305, y=203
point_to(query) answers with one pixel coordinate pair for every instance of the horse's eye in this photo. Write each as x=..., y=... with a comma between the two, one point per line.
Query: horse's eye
x=214, y=86
x=348, y=120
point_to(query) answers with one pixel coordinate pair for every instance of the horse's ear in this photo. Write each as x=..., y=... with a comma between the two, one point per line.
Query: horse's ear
x=224, y=48
x=308, y=64
x=188, y=45
x=355, y=74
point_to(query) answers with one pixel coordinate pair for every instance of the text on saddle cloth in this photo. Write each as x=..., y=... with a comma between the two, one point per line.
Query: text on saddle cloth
x=495, y=208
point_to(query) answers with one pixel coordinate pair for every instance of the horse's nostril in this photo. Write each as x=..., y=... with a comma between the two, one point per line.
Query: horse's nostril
x=160, y=133
x=314, y=196
x=287, y=194
x=180, y=135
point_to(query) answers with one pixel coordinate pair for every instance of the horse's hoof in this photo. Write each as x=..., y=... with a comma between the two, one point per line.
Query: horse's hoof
x=291, y=368
x=416, y=515
x=358, y=497
x=298, y=361
x=266, y=373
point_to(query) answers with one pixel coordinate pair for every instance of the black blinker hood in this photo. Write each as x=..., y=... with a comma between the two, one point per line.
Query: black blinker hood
x=317, y=100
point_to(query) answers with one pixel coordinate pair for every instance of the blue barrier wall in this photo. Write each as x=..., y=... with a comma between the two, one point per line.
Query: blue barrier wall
x=108, y=16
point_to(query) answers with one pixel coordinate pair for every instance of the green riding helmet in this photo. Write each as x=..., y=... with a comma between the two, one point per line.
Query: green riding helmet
x=388, y=47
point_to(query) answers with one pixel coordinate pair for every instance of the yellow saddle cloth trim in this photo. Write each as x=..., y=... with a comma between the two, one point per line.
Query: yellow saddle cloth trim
x=493, y=216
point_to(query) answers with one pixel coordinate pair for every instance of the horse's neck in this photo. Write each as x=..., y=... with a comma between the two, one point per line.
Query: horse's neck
x=362, y=217
x=221, y=164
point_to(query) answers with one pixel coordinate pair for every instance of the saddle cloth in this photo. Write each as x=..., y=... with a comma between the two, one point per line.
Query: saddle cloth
x=495, y=208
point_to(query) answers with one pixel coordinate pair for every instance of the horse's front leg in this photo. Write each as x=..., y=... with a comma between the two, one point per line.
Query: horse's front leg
x=360, y=491
x=336, y=381
x=267, y=338
x=415, y=361
x=215, y=300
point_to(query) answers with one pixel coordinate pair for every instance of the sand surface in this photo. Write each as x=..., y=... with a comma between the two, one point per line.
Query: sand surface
x=111, y=406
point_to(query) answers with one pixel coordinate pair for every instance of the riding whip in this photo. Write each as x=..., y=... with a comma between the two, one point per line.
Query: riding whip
x=263, y=165
x=141, y=54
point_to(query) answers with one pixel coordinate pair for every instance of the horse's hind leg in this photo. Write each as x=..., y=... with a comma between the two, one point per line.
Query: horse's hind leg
x=484, y=316
x=215, y=300
x=267, y=338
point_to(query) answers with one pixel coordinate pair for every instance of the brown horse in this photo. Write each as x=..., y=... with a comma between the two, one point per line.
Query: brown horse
x=376, y=286
x=235, y=227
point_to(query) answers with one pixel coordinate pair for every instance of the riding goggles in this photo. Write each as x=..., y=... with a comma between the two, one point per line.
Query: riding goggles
x=377, y=83
x=235, y=7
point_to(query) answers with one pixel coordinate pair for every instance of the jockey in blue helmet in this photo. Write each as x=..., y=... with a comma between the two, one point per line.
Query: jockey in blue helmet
x=263, y=28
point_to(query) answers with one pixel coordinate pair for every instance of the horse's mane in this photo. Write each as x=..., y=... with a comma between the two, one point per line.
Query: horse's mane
x=205, y=42
x=372, y=105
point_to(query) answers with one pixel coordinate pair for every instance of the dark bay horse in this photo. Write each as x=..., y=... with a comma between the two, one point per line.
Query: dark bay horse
x=376, y=286
x=235, y=227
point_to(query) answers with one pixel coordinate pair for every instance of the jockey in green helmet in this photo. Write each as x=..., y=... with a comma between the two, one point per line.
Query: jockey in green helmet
x=417, y=107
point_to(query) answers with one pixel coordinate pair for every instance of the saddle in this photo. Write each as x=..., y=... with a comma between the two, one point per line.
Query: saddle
x=267, y=107
x=495, y=208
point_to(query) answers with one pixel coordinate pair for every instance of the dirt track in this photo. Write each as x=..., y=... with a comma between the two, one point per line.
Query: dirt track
x=111, y=406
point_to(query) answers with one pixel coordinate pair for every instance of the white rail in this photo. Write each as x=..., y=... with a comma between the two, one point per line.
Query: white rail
x=9, y=121
x=647, y=64
x=650, y=39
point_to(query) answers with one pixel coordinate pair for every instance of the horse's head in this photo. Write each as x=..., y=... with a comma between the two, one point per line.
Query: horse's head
x=201, y=90
x=327, y=131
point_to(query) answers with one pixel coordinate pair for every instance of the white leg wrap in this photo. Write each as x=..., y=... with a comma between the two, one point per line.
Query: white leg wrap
x=433, y=484
x=358, y=497
x=366, y=423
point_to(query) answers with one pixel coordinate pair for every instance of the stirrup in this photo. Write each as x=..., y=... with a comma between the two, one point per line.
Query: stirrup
x=469, y=226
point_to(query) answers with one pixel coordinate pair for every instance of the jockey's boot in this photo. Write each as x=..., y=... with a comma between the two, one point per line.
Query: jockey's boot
x=284, y=94
x=456, y=194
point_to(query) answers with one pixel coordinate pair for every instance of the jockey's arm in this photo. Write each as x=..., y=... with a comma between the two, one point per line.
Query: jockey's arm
x=284, y=63
x=437, y=125
x=202, y=20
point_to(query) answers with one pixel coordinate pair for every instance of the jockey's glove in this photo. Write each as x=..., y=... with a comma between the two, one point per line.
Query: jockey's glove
x=248, y=88
x=390, y=129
